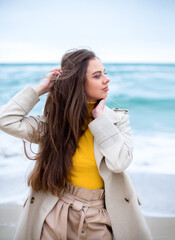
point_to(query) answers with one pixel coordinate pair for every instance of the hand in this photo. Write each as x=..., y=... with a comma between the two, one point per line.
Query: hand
x=48, y=81
x=98, y=110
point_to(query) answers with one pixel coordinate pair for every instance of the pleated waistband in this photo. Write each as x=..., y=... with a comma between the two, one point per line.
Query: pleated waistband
x=84, y=193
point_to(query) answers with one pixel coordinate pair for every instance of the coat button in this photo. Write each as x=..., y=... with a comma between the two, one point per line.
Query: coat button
x=139, y=201
x=32, y=200
x=127, y=200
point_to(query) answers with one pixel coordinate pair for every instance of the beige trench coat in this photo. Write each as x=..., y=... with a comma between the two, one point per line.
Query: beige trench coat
x=113, y=154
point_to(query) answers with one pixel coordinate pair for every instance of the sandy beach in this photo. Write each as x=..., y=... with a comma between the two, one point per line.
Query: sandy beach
x=9, y=215
x=161, y=228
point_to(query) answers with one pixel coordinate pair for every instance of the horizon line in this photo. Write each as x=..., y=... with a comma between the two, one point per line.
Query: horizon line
x=104, y=62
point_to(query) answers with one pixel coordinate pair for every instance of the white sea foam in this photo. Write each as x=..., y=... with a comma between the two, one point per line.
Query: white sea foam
x=154, y=153
x=152, y=172
x=147, y=90
x=14, y=168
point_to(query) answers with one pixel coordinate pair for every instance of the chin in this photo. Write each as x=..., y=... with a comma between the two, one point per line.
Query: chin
x=105, y=95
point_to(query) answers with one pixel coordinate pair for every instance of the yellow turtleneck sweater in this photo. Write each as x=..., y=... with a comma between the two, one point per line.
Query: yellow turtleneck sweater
x=85, y=172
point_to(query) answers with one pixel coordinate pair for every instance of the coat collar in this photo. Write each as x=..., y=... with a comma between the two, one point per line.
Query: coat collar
x=110, y=114
x=115, y=114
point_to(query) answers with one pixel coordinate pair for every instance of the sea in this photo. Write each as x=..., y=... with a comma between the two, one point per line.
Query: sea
x=147, y=91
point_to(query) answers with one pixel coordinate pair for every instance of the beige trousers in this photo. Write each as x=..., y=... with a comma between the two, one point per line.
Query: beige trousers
x=79, y=214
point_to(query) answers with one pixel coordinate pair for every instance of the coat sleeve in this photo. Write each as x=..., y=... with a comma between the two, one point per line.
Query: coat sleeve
x=14, y=119
x=114, y=141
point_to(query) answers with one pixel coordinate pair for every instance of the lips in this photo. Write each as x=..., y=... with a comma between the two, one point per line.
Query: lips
x=106, y=89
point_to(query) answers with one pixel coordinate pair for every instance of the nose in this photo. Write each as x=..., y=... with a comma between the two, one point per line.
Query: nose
x=106, y=79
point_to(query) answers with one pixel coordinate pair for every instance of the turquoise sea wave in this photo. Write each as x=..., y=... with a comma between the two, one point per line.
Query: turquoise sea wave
x=147, y=90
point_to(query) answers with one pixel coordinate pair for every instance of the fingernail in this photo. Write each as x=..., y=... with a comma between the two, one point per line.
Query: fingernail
x=57, y=77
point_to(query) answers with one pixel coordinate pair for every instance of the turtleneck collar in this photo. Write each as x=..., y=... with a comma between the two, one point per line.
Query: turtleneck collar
x=90, y=107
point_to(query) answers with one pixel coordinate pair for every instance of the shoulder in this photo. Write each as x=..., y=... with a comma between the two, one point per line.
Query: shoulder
x=115, y=114
x=125, y=111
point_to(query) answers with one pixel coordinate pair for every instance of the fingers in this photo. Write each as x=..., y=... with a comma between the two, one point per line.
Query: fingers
x=56, y=69
x=57, y=72
x=101, y=103
x=98, y=110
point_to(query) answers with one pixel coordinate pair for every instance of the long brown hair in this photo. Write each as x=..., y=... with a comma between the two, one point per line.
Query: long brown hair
x=66, y=114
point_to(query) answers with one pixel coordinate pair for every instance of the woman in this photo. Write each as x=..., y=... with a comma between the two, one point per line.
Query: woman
x=79, y=189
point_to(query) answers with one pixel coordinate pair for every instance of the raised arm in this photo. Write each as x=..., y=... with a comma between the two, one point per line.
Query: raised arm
x=13, y=115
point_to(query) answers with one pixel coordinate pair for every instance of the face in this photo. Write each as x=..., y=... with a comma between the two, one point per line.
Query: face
x=96, y=84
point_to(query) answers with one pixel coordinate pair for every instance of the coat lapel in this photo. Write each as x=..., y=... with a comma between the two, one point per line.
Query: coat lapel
x=98, y=156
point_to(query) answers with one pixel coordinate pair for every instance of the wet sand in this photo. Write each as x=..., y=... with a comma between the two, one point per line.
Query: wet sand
x=9, y=214
x=162, y=228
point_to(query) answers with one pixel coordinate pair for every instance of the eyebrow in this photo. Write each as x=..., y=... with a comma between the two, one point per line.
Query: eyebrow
x=98, y=72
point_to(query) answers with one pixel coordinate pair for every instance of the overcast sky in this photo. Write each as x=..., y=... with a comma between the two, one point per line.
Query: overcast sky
x=118, y=31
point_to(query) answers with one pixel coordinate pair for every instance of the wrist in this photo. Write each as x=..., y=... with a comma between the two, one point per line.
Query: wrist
x=39, y=90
